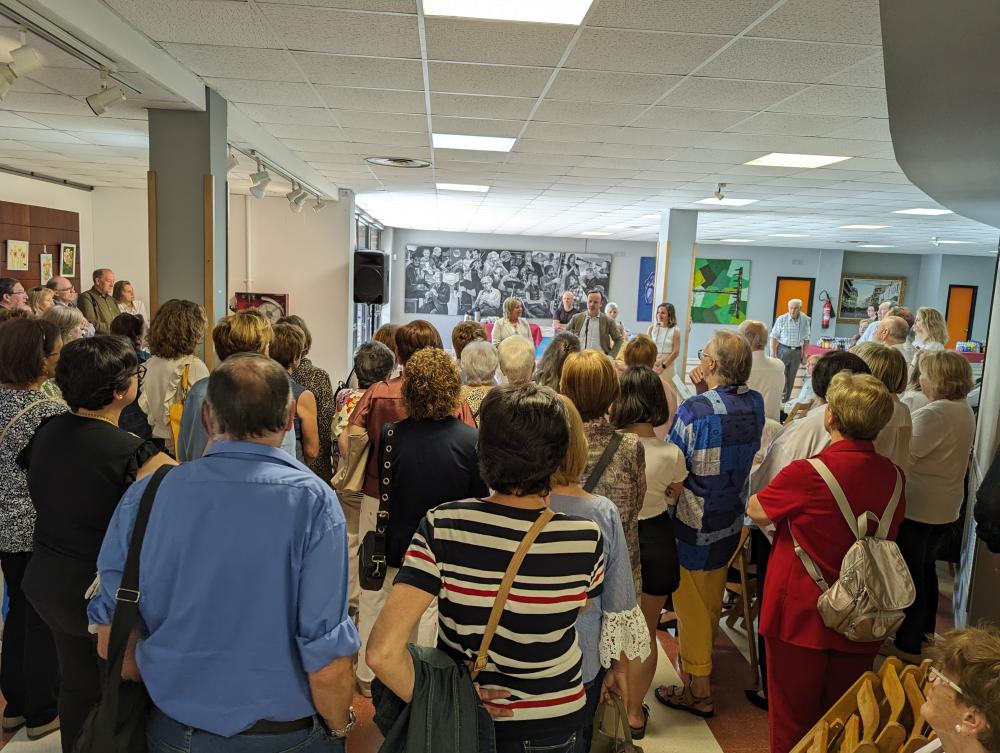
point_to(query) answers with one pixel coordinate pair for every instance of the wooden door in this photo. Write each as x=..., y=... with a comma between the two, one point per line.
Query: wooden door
x=959, y=312
x=787, y=288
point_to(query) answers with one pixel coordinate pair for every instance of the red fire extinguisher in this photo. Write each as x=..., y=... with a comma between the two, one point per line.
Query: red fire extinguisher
x=827, y=309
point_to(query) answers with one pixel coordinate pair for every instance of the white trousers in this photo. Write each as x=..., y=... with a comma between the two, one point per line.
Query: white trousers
x=372, y=602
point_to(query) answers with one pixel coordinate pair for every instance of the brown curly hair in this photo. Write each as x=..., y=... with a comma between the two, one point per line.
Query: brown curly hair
x=432, y=387
x=177, y=329
x=464, y=333
x=640, y=351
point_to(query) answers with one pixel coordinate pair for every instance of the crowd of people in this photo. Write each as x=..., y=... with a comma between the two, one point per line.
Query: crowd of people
x=483, y=544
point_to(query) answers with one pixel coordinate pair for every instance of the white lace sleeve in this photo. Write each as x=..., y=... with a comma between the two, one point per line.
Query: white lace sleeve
x=624, y=632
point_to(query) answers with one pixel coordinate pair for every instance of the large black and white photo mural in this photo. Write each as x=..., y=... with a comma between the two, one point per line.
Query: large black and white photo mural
x=459, y=281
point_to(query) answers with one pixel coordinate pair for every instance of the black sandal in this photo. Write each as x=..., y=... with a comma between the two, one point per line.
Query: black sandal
x=670, y=700
x=757, y=698
x=640, y=732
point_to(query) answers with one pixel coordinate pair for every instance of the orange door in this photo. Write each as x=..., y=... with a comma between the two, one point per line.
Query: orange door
x=961, y=305
x=788, y=288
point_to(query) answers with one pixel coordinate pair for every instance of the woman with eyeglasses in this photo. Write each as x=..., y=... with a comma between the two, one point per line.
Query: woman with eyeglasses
x=963, y=692
x=98, y=377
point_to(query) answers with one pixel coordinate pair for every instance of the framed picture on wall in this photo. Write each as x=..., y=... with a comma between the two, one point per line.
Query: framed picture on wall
x=46, y=268
x=17, y=256
x=67, y=259
x=272, y=305
x=858, y=292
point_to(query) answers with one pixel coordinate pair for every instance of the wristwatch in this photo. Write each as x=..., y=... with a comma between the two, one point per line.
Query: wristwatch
x=342, y=733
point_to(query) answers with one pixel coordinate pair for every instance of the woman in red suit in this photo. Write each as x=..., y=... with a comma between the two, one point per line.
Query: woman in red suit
x=809, y=666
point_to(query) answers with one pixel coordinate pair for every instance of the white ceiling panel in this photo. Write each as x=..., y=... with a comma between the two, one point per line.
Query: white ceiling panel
x=393, y=6
x=588, y=113
x=366, y=72
x=707, y=93
x=782, y=60
x=501, y=43
x=476, y=126
x=869, y=72
x=683, y=119
x=851, y=21
x=372, y=100
x=705, y=17
x=344, y=32
x=266, y=114
x=642, y=52
x=225, y=22
x=567, y=132
x=54, y=104
x=837, y=100
x=497, y=80
x=264, y=92
x=606, y=86
x=236, y=62
x=468, y=105
x=13, y=120
x=875, y=129
x=791, y=124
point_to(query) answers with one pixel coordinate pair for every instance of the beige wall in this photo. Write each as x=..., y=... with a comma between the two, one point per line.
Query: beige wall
x=121, y=237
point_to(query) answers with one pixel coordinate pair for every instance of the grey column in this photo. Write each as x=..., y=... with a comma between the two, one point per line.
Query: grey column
x=674, y=259
x=184, y=147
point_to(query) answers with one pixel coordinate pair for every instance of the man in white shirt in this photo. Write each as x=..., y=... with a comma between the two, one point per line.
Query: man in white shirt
x=790, y=337
x=767, y=375
x=883, y=309
x=595, y=329
x=892, y=331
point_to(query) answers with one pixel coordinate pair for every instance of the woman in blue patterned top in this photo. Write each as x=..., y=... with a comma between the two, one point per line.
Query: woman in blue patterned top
x=718, y=430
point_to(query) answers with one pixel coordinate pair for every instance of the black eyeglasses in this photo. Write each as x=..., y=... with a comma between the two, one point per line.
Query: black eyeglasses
x=140, y=372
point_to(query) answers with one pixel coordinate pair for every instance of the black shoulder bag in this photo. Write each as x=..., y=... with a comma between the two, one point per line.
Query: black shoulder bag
x=117, y=724
x=372, y=565
x=602, y=465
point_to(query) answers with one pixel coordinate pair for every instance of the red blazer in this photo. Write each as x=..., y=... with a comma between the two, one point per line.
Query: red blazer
x=799, y=497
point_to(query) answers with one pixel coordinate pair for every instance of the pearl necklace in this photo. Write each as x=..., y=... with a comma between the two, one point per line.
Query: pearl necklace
x=95, y=417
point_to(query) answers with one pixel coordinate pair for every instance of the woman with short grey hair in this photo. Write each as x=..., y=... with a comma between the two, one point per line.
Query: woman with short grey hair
x=71, y=326
x=372, y=363
x=611, y=311
x=479, y=364
x=511, y=323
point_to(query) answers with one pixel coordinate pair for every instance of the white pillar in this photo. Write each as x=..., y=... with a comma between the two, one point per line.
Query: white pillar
x=675, y=254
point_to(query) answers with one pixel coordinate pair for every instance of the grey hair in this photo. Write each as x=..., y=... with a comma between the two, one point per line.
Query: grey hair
x=517, y=359
x=509, y=305
x=372, y=363
x=68, y=319
x=611, y=306
x=795, y=302
x=479, y=362
x=755, y=332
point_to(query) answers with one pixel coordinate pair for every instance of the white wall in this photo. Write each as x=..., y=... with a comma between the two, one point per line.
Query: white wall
x=121, y=237
x=306, y=255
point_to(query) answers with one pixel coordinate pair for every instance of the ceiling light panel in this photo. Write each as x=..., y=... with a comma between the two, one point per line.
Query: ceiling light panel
x=569, y=12
x=808, y=161
x=712, y=201
x=736, y=240
x=863, y=227
x=788, y=235
x=924, y=211
x=873, y=245
x=472, y=143
x=462, y=187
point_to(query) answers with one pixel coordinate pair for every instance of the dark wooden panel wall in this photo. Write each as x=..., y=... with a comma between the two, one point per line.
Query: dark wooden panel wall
x=43, y=228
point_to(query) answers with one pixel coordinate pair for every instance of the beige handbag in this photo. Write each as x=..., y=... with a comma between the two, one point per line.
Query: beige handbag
x=612, y=733
x=350, y=475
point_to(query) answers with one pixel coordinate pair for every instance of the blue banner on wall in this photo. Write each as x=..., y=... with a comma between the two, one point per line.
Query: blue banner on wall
x=647, y=278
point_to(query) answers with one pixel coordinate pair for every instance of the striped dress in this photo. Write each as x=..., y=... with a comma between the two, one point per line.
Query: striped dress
x=459, y=554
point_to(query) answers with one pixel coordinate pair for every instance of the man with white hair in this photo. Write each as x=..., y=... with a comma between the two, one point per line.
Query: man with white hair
x=883, y=310
x=790, y=337
x=767, y=375
x=893, y=331
x=517, y=360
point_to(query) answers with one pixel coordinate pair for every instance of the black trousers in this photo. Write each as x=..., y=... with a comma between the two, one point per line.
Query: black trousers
x=919, y=543
x=55, y=586
x=29, y=669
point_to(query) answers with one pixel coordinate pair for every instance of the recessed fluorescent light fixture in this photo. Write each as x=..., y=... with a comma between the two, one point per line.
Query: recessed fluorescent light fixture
x=594, y=232
x=727, y=202
x=873, y=245
x=926, y=211
x=534, y=11
x=462, y=187
x=788, y=235
x=736, y=240
x=473, y=143
x=956, y=243
x=651, y=216
x=864, y=227
x=779, y=159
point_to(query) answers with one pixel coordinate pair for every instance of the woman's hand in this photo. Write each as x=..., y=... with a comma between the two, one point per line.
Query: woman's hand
x=493, y=695
x=616, y=682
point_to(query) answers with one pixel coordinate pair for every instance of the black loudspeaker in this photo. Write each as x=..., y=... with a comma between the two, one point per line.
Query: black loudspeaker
x=371, y=283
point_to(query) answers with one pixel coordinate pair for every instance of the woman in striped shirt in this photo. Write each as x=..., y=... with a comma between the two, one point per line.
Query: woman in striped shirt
x=458, y=556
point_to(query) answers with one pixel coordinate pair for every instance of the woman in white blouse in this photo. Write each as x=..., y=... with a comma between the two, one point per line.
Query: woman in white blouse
x=929, y=329
x=667, y=336
x=124, y=296
x=511, y=323
x=889, y=366
x=943, y=433
x=912, y=397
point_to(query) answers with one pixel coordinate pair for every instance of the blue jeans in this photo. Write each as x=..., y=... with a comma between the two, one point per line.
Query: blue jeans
x=165, y=735
x=558, y=744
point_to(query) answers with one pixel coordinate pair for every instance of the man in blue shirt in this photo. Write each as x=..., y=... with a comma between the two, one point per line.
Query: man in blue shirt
x=243, y=582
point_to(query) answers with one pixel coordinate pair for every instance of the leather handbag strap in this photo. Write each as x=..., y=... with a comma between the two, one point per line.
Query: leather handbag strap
x=505, y=586
x=20, y=413
x=602, y=465
x=386, y=451
x=860, y=524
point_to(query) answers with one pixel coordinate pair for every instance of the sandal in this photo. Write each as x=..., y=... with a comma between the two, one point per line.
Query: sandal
x=668, y=696
x=640, y=732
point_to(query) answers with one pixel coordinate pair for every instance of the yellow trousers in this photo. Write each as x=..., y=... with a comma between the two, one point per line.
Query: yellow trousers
x=698, y=604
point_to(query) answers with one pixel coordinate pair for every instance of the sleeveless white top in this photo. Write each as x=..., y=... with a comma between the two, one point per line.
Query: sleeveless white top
x=663, y=337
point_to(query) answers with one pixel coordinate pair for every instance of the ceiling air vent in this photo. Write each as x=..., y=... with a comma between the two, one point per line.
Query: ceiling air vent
x=397, y=162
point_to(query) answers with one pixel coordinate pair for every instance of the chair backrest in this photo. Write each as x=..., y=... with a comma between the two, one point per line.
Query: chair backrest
x=799, y=411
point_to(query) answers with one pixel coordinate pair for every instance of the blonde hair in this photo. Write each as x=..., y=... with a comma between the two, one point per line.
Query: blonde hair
x=36, y=296
x=755, y=332
x=860, y=404
x=933, y=324
x=948, y=373
x=640, y=351
x=885, y=362
x=510, y=304
x=246, y=331
x=589, y=379
x=575, y=462
x=733, y=356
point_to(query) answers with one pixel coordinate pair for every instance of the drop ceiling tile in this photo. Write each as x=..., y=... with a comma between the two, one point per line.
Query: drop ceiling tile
x=706, y=17
x=264, y=92
x=850, y=21
x=605, y=86
x=504, y=81
x=236, y=62
x=497, y=42
x=372, y=100
x=465, y=155
x=657, y=137
x=362, y=72
x=869, y=72
x=641, y=52
x=874, y=129
x=56, y=104
x=837, y=100
x=568, y=132
x=552, y=111
x=519, y=157
x=780, y=123
x=683, y=119
x=477, y=126
x=220, y=23
x=533, y=146
x=13, y=120
x=38, y=134
x=638, y=151
x=344, y=32
x=114, y=139
x=783, y=60
x=370, y=136
x=391, y=6
x=468, y=105
x=736, y=95
x=300, y=131
x=265, y=114
x=381, y=121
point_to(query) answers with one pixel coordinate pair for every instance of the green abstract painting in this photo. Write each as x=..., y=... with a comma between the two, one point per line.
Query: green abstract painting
x=720, y=288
